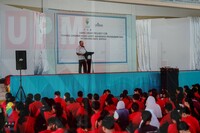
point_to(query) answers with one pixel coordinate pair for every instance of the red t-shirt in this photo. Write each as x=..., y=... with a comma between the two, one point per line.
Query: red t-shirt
x=172, y=128
x=45, y=131
x=94, y=118
x=80, y=130
x=102, y=100
x=27, y=126
x=81, y=111
x=126, y=101
x=110, y=108
x=141, y=105
x=130, y=105
x=73, y=108
x=161, y=103
x=166, y=118
x=136, y=131
x=135, y=118
x=59, y=130
x=79, y=99
x=192, y=123
x=3, y=105
x=66, y=111
x=33, y=107
x=61, y=101
x=48, y=115
x=115, y=101
x=196, y=94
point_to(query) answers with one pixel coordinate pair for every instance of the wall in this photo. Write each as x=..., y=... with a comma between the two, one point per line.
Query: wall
x=170, y=43
x=10, y=42
x=7, y=53
x=92, y=7
x=104, y=7
x=118, y=8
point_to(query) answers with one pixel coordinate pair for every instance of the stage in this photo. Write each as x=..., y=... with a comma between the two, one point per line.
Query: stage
x=46, y=85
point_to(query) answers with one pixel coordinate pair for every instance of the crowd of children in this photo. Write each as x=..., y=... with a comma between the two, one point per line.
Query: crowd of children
x=139, y=112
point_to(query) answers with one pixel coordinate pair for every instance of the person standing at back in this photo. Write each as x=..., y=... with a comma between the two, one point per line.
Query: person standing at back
x=80, y=51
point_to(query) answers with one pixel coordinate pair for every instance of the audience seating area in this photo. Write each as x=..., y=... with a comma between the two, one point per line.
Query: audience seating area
x=84, y=103
x=135, y=111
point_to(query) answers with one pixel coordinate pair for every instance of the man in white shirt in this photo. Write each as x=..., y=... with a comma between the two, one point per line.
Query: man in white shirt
x=80, y=51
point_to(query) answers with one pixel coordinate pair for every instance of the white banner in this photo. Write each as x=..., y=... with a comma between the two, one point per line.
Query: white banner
x=104, y=35
x=22, y=30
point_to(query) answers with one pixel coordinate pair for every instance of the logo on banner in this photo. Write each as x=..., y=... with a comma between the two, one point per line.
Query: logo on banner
x=87, y=21
x=87, y=24
x=98, y=25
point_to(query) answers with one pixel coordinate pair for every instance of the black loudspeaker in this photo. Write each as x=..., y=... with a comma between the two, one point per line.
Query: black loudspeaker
x=21, y=60
x=169, y=80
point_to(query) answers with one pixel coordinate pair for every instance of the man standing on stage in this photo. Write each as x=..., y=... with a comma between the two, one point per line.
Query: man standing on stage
x=80, y=51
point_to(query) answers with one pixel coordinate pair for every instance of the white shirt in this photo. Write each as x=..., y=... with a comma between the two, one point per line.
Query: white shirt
x=81, y=50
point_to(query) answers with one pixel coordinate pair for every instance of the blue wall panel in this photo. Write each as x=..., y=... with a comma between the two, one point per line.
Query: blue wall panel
x=46, y=85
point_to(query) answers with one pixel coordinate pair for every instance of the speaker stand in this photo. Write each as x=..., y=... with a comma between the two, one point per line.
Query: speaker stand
x=20, y=91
